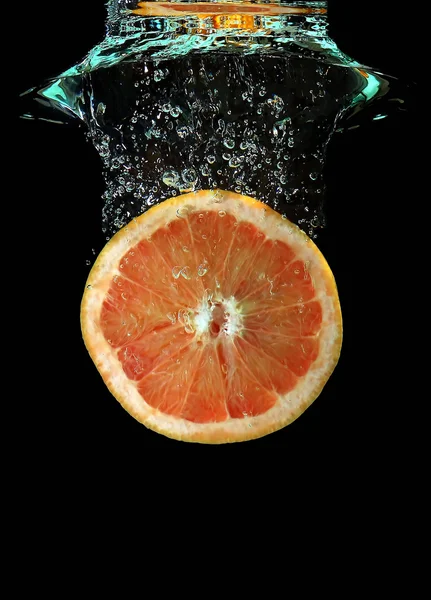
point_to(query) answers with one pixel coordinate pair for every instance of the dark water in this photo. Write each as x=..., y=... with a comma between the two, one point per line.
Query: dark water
x=372, y=204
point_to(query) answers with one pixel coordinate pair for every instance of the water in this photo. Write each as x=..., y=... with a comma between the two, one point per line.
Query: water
x=359, y=204
x=251, y=111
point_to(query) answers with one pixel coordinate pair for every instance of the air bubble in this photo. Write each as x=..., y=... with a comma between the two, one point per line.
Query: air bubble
x=186, y=273
x=229, y=143
x=221, y=127
x=171, y=178
x=203, y=269
x=235, y=161
x=182, y=212
x=211, y=159
x=189, y=176
x=176, y=271
x=221, y=213
x=158, y=75
x=183, y=131
x=276, y=102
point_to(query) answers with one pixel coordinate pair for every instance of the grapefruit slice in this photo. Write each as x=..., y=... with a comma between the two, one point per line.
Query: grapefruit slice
x=212, y=319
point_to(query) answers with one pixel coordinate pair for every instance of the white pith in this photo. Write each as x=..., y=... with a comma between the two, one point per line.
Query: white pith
x=202, y=317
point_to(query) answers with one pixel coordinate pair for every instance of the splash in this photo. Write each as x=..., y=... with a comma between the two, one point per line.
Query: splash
x=238, y=97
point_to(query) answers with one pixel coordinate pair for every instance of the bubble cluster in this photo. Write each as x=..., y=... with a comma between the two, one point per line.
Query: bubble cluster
x=256, y=125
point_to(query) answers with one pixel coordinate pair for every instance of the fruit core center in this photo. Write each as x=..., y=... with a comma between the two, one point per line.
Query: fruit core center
x=218, y=317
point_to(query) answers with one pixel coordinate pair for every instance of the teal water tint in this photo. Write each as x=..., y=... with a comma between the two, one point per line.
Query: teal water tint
x=132, y=38
x=172, y=105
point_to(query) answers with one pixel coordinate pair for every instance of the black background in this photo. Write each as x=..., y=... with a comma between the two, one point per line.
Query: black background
x=372, y=199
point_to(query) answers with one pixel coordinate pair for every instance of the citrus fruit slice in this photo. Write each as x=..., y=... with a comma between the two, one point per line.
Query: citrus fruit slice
x=212, y=319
